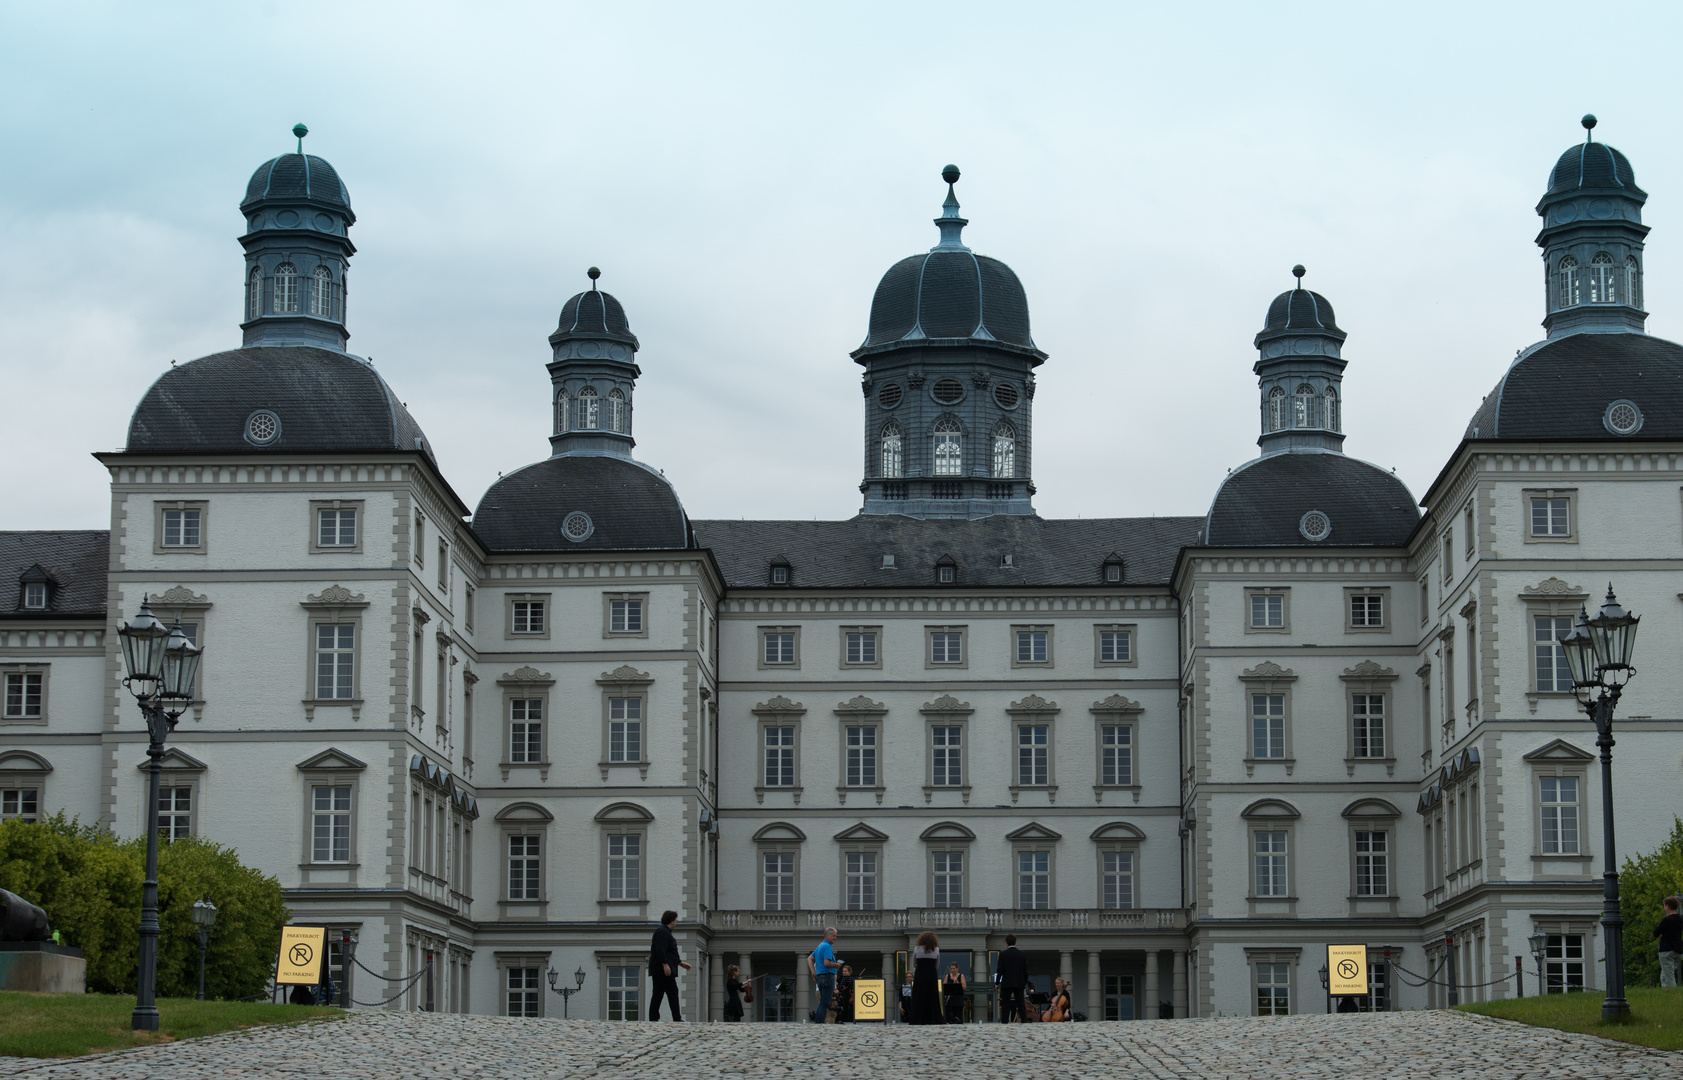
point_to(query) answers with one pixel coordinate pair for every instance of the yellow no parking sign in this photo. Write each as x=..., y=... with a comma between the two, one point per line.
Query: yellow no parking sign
x=1346, y=970
x=301, y=951
x=869, y=999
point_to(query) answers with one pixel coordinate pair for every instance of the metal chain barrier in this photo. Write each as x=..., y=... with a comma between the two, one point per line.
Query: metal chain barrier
x=408, y=984
x=1459, y=986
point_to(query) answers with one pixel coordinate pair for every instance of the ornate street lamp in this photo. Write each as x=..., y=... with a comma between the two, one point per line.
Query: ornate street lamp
x=1539, y=946
x=1326, y=985
x=161, y=664
x=1598, y=650
x=566, y=992
x=204, y=917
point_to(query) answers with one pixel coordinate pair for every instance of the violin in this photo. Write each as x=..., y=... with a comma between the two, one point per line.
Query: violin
x=748, y=990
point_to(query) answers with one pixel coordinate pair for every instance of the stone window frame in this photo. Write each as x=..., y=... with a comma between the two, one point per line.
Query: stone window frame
x=1132, y=630
x=420, y=539
x=1468, y=527
x=20, y=670
x=469, y=594
x=1372, y=814
x=608, y=632
x=842, y=662
x=180, y=770
x=761, y=633
x=1446, y=549
x=778, y=712
x=547, y=599
x=1552, y=598
x=1282, y=591
x=1118, y=837
x=1116, y=711
x=523, y=818
x=360, y=506
x=946, y=837
x=940, y=713
x=1271, y=815
x=23, y=770
x=1288, y=956
x=1033, y=711
x=777, y=838
x=158, y=508
x=1560, y=758
x=861, y=839
x=638, y=962
x=525, y=684
x=1368, y=677
x=1034, y=628
x=963, y=632
x=1034, y=837
x=511, y=961
x=1571, y=497
x=625, y=682
x=334, y=606
x=331, y=768
x=860, y=712
x=1268, y=678
x=624, y=819
x=1425, y=600
x=180, y=605
x=1384, y=594
x=444, y=566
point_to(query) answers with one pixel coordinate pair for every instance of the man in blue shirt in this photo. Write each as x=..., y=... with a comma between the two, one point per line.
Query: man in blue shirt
x=824, y=965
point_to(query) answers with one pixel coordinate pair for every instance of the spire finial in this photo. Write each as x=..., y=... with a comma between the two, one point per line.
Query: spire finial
x=1298, y=272
x=593, y=274
x=950, y=224
x=1589, y=127
x=300, y=130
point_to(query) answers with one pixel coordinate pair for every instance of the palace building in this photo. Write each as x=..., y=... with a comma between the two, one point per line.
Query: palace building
x=1176, y=756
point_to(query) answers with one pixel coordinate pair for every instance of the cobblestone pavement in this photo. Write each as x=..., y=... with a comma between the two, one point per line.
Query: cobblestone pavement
x=1415, y=1045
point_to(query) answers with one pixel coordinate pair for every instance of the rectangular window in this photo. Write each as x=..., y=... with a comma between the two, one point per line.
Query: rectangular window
x=1553, y=676
x=1271, y=864
x=1118, y=997
x=420, y=546
x=1034, y=880
x=779, y=880
x=861, y=757
x=22, y=803
x=181, y=528
x=467, y=608
x=1116, y=646
x=1373, y=868
x=1268, y=611
x=35, y=595
x=625, y=616
x=1367, y=718
x=625, y=867
x=1268, y=725
x=523, y=867
x=1367, y=610
x=946, y=756
x=946, y=648
x=948, y=884
x=523, y=992
x=625, y=729
x=1560, y=815
x=1551, y=516
x=1116, y=880
x=1378, y=988
x=443, y=565
x=1116, y=755
x=1448, y=557
x=623, y=986
x=1467, y=527
x=336, y=528
x=1032, y=740
x=528, y=616
x=780, y=757
x=23, y=695
x=1273, y=989
x=1031, y=646
x=1563, y=963
x=525, y=731
x=175, y=813
x=779, y=648
x=861, y=881
x=862, y=647
x=335, y=660
x=330, y=824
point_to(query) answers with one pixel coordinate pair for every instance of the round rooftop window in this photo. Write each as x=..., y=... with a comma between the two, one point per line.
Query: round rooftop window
x=889, y=396
x=577, y=526
x=1006, y=395
x=262, y=428
x=948, y=391
x=1315, y=526
x=1623, y=417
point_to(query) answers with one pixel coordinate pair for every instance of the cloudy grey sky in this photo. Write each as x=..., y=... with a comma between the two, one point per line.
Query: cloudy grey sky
x=743, y=174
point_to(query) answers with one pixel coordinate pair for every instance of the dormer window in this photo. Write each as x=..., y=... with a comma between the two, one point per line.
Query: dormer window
x=1567, y=283
x=1113, y=571
x=35, y=595
x=946, y=571
x=616, y=411
x=589, y=410
x=286, y=289
x=1602, y=277
x=893, y=454
x=780, y=573
x=1004, y=451
x=1306, y=407
x=1276, y=408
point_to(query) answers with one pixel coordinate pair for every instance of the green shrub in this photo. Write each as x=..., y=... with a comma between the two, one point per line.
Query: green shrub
x=1643, y=883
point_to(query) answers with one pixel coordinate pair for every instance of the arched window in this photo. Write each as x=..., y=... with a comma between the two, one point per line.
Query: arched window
x=560, y=411
x=1568, y=282
x=1633, y=283
x=1602, y=289
x=589, y=416
x=1004, y=451
x=254, y=294
x=949, y=447
x=1306, y=407
x=1276, y=408
x=1332, y=410
x=893, y=458
x=321, y=297
x=286, y=289
x=616, y=411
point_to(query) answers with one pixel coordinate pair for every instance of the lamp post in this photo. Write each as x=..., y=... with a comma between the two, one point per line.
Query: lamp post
x=161, y=664
x=1539, y=945
x=566, y=992
x=1598, y=651
x=1326, y=985
x=204, y=917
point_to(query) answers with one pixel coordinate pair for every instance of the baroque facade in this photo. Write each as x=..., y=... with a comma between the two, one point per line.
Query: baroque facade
x=1176, y=756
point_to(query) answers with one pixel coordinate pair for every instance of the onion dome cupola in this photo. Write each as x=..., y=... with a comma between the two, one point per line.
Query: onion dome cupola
x=1592, y=240
x=297, y=248
x=593, y=375
x=1300, y=373
x=948, y=383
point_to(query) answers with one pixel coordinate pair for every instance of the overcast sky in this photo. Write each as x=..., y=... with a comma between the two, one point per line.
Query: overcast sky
x=744, y=174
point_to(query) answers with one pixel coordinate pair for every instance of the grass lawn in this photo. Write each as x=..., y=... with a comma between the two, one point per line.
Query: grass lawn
x=1656, y=1015
x=66, y=1025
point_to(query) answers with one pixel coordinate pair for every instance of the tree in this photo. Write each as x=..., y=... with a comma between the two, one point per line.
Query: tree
x=1644, y=882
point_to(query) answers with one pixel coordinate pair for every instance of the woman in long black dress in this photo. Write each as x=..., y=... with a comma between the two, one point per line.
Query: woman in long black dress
x=733, y=993
x=926, y=982
x=953, y=988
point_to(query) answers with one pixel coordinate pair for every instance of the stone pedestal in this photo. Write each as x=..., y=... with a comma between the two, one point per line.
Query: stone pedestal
x=42, y=967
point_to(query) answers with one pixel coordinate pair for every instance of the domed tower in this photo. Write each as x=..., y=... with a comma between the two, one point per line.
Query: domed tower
x=594, y=374
x=297, y=248
x=1592, y=241
x=1300, y=373
x=949, y=383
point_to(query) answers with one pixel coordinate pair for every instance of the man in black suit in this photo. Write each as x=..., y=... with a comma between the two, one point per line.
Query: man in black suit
x=664, y=963
x=1012, y=973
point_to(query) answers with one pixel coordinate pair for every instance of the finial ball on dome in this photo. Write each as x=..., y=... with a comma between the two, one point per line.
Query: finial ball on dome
x=1298, y=271
x=299, y=130
x=593, y=273
x=1588, y=121
x=950, y=174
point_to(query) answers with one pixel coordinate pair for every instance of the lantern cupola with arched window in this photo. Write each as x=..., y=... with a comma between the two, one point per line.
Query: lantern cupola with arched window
x=593, y=374
x=1300, y=372
x=1592, y=240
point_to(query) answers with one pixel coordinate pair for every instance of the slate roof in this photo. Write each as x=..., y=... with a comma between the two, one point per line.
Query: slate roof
x=296, y=178
x=1560, y=389
x=631, y=506
x=1262, y=503
x=949, y=293
x=593, y=313
x=325, y=400
x=849, y=554
x=1593, y=165
x=75, y=564
x=1302, y=310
